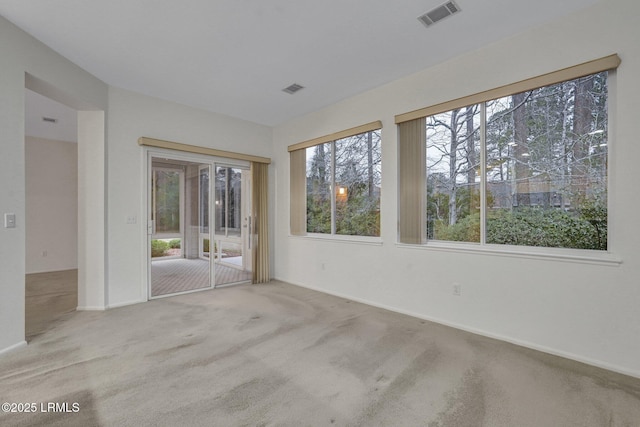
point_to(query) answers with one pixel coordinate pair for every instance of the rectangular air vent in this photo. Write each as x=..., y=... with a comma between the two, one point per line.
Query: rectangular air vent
x=293, y=88
x=439, y=13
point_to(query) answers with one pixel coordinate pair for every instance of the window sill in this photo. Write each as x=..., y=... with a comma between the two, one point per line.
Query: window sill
x=338, y=238
x=528, y=252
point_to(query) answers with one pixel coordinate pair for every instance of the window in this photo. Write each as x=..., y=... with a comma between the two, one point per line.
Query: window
x=526, y=168
x=167, y=197
x=336, y=184
x=228, y=219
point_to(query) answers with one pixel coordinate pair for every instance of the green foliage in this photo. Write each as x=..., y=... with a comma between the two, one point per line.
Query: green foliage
x=552, y=228
x=318, y=215
x=594, y=211
x=159, y=248
x=167, y=200
x=359, y=215
x=205, y=245
x=175, y=243
x=465, y=230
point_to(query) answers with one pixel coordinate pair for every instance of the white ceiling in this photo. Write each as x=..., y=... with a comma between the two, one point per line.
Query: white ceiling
x=234, y=56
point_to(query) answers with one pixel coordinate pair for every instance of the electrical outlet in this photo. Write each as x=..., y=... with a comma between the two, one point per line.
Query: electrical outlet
x=9, y=220
x=457, y=289
x=131, y=219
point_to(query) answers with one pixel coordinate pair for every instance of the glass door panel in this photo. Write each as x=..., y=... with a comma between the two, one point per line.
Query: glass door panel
x=232, y=225
x=179, y=213
x=204, y=238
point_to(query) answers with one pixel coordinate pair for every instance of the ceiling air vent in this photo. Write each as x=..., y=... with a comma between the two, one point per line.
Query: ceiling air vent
x=293, y=88
x=49, y=120
x=438, y=13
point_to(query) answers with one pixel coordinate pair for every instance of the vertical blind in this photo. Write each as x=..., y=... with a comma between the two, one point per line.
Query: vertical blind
x=412, y=165
x=297, y=184
x=260, y=207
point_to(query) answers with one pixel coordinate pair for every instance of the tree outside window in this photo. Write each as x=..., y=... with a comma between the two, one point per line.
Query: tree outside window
x=343, y=186
x=545, y=174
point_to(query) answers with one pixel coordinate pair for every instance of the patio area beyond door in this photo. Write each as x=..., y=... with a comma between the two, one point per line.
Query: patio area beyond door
x=186, y=254
x=232, y=236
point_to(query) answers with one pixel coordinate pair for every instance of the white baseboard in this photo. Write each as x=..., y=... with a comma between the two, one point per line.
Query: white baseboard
x=515, y=341
x=13, y=347
x=57, y=270
x=90, y=308
x=122, y=304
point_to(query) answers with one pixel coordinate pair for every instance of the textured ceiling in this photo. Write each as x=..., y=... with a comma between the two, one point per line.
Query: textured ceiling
x=234, y=56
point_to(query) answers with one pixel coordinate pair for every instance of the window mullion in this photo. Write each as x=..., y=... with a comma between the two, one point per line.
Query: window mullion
x=333, y=186
x=226, y=202
x=483, y=172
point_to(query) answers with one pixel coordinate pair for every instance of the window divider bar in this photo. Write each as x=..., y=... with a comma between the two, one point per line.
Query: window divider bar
x=483, y=173
x=333, y=187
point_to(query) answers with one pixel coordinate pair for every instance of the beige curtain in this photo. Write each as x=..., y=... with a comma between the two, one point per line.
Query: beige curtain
x=412, y=159
x=298, y=191
x=260, y=225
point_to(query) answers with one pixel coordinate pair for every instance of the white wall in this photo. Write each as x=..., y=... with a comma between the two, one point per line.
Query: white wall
x=22, y=54
x=51, y=205
x=131, y=116
x=586, y=311
x=92, y=227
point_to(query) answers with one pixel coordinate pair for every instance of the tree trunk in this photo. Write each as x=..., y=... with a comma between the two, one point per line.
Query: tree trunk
x=453, y=158
x=370, y=163
x=521, y=150
x=471, y=149
x=582, y=119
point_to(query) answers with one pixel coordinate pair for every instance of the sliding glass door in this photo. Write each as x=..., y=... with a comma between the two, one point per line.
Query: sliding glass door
x=232, y=224
x=177, y=223
x=199, y=224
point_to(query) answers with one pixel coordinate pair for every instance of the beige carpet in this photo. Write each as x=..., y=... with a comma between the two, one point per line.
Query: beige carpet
x=276, y=354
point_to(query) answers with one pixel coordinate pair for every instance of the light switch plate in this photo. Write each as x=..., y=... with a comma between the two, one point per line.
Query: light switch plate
x=9, y=220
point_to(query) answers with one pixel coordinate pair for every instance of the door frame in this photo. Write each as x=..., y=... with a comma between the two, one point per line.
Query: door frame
x=245, y=216
x=147, y=154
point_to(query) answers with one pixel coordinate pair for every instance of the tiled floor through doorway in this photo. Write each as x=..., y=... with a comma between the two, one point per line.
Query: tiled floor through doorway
x=171, y=276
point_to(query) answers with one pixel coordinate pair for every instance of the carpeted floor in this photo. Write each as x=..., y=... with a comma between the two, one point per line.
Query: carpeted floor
x=276, y=354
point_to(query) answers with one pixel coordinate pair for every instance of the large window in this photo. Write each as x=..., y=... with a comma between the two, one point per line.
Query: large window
x=526, y=169
x=341, y=190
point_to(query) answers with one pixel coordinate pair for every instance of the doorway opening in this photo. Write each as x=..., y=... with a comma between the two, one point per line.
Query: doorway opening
x=198, y=227
x=232, y=246
x=51, y=212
